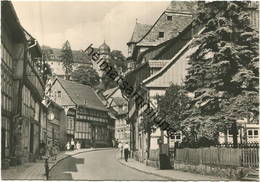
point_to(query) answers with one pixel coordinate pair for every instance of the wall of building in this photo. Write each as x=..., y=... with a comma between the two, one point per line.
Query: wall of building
x=246, y=133
x=122, y=130
x=7, y=93
x=59, y=95
x=58, y=69
x=91, y=128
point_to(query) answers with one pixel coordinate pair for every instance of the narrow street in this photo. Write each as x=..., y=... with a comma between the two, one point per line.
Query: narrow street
x=97, y=165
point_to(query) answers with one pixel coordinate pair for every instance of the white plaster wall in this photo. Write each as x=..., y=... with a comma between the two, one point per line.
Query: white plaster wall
x=64, y=99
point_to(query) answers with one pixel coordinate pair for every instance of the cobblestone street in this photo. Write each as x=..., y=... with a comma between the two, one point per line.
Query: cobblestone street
x=35, y=171
x=99, y=165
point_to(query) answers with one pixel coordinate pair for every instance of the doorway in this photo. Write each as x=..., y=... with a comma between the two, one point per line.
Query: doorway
x=31, y=137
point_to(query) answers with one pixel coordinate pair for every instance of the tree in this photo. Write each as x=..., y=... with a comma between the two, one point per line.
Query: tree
x=67, y=58
x=224, y=69
x=148, y=127
x=86, y=75
x=173, y=107
x=46, y=69
x=118, y=60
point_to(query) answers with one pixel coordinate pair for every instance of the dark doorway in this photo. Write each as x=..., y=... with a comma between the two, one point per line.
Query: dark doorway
x=3, y=143
x=31, y=137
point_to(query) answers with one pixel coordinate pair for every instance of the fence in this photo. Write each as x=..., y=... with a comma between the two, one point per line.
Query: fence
x=250, y=157
x=240, y=145
x=240, y=157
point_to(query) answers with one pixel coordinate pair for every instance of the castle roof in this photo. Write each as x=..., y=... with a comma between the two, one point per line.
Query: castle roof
x=104, y=48
x=78, y=56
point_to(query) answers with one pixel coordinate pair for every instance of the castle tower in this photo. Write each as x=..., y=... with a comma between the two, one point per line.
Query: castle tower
x=104, y=51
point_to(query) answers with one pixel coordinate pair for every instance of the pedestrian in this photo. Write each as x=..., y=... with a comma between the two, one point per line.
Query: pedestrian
x=78, y=145
x=117, y=143
x=68, y=146
x=126, y=151
x=113, y=143
x=72, y=143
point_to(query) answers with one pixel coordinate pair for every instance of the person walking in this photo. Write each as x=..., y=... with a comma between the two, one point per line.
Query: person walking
x=68, y=146
x=126, y=151
x=116, y=143
x=78, y=145
x=72, y=143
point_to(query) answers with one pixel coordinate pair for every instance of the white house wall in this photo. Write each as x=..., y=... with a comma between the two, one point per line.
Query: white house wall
x=64, y=99
x=175, y=74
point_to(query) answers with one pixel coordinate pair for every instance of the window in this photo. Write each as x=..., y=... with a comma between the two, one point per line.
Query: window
x=59, y=93
x=70, y=123
x=169, y=18
x=250, y=133
x=76, y=135
x=255, y=133
x=178, y=137
x=6, y=135
x=161, y=34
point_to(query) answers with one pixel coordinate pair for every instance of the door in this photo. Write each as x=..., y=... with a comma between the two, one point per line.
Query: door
x=31, y=137
x=93, y=135
x=3, y=143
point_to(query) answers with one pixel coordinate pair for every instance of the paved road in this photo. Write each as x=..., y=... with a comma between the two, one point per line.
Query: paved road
x=96, y=165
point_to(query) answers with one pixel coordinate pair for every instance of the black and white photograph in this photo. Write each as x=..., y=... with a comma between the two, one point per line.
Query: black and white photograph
x=113, y=90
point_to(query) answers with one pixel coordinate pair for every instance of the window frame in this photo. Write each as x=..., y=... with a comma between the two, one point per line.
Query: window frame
x=161, y=35
x=169, y=18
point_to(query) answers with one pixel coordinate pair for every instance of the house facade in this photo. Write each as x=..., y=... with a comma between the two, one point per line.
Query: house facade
x=156, y=68
x=118, y=107
x=87, y=117
x=22, y=89
x=56, y=126
x=153, y=52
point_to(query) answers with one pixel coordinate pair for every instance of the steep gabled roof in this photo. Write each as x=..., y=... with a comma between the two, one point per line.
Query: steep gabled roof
x=181, y=12
x=183, y=7
x=82, y=94
x=139, y=31
x=9, y=15
x=109, y=92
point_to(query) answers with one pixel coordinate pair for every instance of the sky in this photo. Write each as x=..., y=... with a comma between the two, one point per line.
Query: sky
x=86, y=22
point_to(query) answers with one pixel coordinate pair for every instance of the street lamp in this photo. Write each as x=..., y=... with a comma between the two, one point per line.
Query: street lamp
x=50, y=117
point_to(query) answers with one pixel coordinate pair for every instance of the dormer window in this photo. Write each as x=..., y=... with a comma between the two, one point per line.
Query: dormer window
x=161, y=34
x=169, y=18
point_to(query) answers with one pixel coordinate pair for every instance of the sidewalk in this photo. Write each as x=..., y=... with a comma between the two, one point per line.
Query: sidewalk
x=170, y=174
x=35, y=170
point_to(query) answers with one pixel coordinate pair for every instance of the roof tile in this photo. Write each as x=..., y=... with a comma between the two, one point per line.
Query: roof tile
x=139, y=31
x=82, y=95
